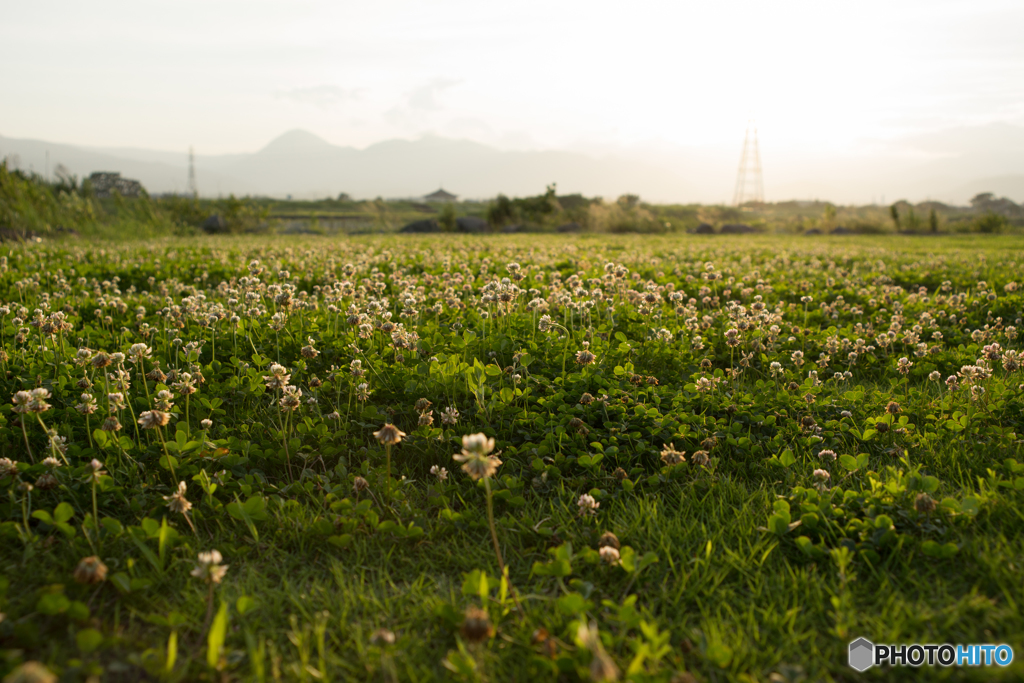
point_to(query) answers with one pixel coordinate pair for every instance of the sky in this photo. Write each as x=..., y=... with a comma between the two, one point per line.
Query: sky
x=819, y=77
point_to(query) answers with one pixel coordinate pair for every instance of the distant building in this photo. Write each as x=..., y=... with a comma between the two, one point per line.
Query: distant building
x=440, y=196
x=105, y=183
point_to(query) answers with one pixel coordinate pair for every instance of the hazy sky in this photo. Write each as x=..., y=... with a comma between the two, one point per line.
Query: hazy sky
x=230, y=76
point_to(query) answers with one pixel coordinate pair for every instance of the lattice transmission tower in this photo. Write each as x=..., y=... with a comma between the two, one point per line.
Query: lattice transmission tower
x=749, y=183
x=192, y=188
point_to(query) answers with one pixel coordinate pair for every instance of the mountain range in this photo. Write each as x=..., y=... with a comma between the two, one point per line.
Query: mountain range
x=951, y=166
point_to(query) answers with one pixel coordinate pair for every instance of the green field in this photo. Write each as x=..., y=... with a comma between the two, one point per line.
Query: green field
x=792, y=442
x=32, y=207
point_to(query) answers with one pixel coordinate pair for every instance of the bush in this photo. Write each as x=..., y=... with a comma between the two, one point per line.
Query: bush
x=446, y=218
x=501, y=211
x=239, y=215
x=990, y=223
x=29, y=205
x=624, y=216
x=867, y=227
x=542, y=209
x=184, y=211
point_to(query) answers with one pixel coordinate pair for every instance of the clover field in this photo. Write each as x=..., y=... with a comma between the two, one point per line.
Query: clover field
x=685, y=459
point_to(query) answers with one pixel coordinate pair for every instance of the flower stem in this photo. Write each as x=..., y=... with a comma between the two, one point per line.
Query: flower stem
x=565, y=352
x=490, y=522
x=25, y=504
x=209, y=608
x=287, y=455
x=497, y=548
x=387, y=471
x=145, y=381
x=95, y=511
x=53, y=447
x=25, y=434
x=170, y=463
x=189, y=520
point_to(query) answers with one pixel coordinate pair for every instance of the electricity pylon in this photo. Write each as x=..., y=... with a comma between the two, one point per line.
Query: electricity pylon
x=749, y=184
x=192, y=189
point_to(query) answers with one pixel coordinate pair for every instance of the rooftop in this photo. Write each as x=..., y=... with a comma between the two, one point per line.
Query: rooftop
x=440, y=196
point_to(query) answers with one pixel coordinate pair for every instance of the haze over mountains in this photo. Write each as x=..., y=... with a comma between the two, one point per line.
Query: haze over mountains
x=951, y=166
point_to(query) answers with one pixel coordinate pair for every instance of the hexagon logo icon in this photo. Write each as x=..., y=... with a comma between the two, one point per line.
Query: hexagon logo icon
x=862, y=654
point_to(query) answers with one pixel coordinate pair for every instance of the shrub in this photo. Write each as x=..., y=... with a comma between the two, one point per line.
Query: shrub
x=625, y=215
x=501, y=211
x=870, y=229
x=990, y=223
x=446, y=218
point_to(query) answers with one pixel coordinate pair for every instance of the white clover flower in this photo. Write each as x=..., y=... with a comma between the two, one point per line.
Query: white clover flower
x=7, y=466
x=475, y=458
x=609, y=554
x=177, y=502
x=477, y=444
x=587, y=505
x=209, y=567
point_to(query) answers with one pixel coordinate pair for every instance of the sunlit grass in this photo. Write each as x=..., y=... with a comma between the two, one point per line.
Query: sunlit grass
x=740, y=568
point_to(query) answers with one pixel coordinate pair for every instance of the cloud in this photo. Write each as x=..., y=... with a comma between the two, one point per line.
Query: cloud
x=399, y=117
x=423, y=97
x=468, y=126
x=418, y=103
x=323, y=96
x=519, y=140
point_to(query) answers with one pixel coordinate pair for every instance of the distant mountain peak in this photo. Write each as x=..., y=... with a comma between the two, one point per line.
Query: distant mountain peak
x=293, y=141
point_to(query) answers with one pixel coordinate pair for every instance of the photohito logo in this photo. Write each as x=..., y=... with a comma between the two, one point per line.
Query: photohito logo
x=864, y=654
